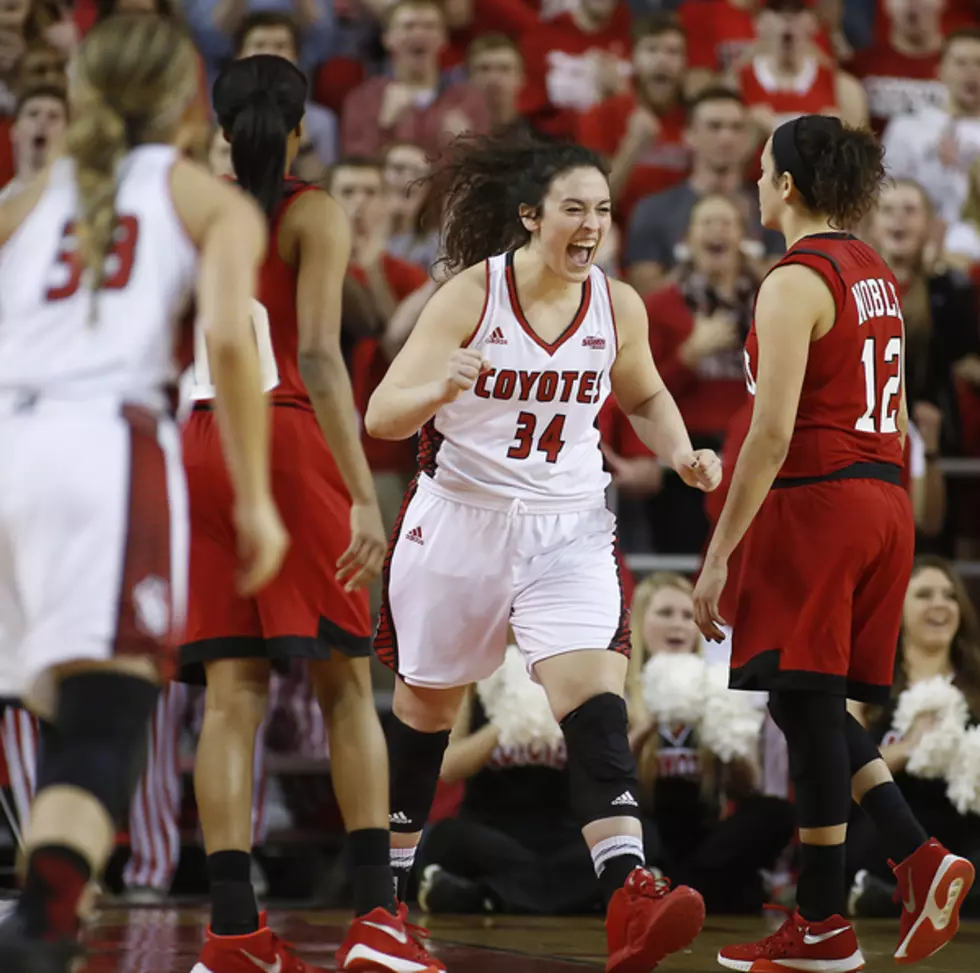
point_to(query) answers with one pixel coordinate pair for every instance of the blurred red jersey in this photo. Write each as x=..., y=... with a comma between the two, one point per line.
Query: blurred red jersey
x=849, y=403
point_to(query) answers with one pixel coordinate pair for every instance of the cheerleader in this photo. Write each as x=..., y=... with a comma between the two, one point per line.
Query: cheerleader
x=923, y=735
x=697, y=747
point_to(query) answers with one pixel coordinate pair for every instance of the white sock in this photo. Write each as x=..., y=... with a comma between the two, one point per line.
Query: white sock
x=403, y=859
x=617, y=847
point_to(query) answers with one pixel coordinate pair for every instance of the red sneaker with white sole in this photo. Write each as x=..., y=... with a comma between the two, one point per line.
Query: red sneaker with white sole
x=647, y=920
x=829, y=946
x=380, y=941
x=258, y=952
x=932, y=883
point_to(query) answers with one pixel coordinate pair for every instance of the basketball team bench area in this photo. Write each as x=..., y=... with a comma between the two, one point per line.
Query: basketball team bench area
x=169, y=940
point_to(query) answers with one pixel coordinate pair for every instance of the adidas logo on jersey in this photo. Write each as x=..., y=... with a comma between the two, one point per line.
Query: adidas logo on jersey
x=415, y=534
x=594, y=341
x=626, y=799
x=497, y=337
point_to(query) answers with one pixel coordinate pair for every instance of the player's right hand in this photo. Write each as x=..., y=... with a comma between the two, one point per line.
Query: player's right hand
x=464, y=368
x=262, y=544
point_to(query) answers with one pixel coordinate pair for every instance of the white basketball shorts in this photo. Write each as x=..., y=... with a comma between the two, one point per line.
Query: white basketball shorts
x=460, y=570
x=93, y=537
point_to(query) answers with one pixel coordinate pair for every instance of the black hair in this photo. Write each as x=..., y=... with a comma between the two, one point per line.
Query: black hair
x=40, y=91
x=259, y=100
x=656, y=25
x=714, y=92
x=838, y=171
x=267, y=18
x=484, y=180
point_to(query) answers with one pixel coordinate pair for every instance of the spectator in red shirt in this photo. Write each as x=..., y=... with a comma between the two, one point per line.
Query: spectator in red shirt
x=698, y=326
x=496, y=69
x=469, y=20
x=787, y=76
x=899, y=71
x=39, y=123
x=573, y=62
x=413, y=103
x=358, y=185
x=641, y=131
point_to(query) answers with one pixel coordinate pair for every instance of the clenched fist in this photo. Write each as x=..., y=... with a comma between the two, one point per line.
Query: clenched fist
x=462, y=371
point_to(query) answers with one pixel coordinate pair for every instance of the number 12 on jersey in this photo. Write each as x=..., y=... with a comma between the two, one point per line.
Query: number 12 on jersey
x=880, y=417
x=550, y=442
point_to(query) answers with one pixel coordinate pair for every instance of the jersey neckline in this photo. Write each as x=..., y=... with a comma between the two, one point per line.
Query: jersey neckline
x=549, y=346
x=829, y=235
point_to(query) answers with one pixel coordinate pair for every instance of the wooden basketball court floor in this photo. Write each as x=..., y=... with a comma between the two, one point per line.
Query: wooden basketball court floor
x=166, y=940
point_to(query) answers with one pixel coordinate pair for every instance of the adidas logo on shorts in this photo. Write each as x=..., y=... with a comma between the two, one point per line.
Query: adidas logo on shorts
x=415, y=534
x=399, y=817
x=497, y=337
x=626, y=799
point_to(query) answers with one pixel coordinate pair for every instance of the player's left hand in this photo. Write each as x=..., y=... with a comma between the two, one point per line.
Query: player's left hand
x=361, y=563
x=700, y=468
x=707, y=592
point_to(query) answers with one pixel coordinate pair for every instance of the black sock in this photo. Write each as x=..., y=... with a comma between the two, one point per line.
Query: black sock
x=371, y=875
x=614, y=874
x=55, y=882
x=233, y=908
x=898, y=829
x=822, y=889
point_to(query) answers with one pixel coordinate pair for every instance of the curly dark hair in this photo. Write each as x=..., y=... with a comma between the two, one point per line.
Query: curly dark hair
x=484, y=180
x=837, y=170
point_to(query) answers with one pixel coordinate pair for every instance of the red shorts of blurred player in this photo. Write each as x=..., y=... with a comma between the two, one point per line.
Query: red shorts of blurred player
x=305, y=612
x=822, y=575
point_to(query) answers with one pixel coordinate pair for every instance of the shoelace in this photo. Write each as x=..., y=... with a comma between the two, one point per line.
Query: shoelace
x=294, y=961
x=781, y=939
x=418, y=934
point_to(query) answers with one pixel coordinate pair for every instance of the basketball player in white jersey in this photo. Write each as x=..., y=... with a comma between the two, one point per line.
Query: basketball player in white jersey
x=98, y=258
x=505, y=373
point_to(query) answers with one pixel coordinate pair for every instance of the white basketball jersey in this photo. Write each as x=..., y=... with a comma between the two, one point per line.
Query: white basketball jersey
x=528, y=428
x=49, y=343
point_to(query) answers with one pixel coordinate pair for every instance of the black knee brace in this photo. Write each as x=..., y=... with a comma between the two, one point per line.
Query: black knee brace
x=860, y=747
x=415, y=760
x=601, y=766
x=815, y=728
x=99, y=737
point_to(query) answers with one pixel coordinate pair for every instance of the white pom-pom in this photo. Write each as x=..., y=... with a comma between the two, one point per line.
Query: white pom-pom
x=673, y=687
x=933, y=754
x=517, y=706
x=732, y=722
x=964, y=774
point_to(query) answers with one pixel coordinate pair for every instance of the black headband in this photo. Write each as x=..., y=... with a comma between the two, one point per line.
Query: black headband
x=787, y=158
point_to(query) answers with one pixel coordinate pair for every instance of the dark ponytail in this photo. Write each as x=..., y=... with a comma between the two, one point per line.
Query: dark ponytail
x=482, y=183
x=259, y=100
x=838, y=171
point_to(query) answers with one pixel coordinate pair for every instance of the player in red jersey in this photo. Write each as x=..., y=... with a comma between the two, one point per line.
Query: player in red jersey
x=827, y=539
x=317, y=608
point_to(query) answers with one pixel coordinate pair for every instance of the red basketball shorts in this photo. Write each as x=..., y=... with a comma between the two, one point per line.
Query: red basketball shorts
x=821, y=584
x=304, y=612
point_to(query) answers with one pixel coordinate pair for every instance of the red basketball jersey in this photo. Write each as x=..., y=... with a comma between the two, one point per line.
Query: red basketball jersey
x=849, y=403
x=277, y=292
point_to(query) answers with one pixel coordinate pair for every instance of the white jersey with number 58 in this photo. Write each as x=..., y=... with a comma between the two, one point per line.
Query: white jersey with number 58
x=50, y=343
x=527, y=430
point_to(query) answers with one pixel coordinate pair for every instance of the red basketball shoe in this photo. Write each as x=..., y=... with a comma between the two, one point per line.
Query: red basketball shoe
x=932, y=884
x=258, y=952
x=646, y=920
x=380, y=941
x=829, y=946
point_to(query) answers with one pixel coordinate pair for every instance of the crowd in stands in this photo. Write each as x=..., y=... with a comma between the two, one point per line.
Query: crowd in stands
x=679, y=98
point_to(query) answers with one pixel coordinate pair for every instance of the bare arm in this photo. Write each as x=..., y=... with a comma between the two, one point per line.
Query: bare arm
x=230, y=233
x=468, y=753
x=418, y=381
x=642, y=395
x=792, y=302
x=851, y=100
x=405, y=318
x=323, y=238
